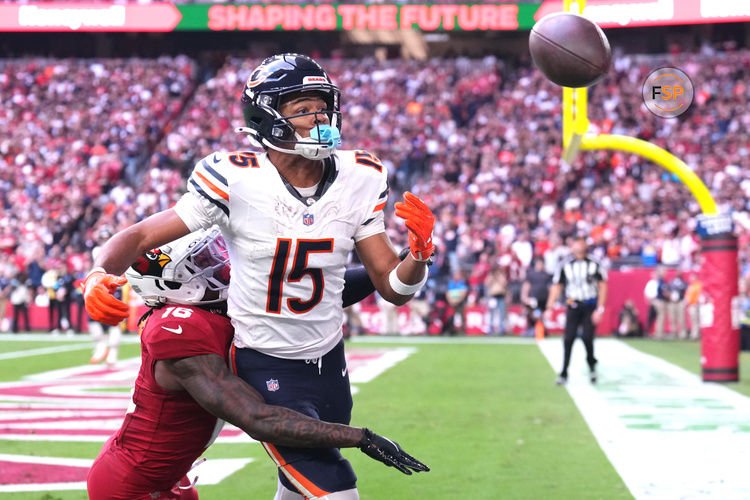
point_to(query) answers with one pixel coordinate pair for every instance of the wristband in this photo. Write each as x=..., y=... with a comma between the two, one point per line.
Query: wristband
x=95, y=270
x=600, y=309
x=402, y=288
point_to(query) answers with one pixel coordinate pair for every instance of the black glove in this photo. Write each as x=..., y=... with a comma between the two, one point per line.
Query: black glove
x=389, y=452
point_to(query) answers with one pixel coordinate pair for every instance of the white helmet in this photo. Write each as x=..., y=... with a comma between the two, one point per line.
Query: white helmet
x=191, y=270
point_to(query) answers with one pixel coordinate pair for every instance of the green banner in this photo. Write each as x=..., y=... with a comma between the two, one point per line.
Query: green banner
x=389, y=17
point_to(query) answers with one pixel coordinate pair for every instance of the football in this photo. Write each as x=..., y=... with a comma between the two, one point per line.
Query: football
x=570, y=50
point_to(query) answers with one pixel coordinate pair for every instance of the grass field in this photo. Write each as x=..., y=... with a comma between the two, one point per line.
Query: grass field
x=486, y=417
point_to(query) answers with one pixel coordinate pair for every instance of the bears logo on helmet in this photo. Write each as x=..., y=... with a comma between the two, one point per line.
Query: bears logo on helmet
x=258, y=75
x=152, y=263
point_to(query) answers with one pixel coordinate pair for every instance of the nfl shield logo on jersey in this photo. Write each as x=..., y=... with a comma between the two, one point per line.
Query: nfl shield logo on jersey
x=273, y=385
x=308, y=219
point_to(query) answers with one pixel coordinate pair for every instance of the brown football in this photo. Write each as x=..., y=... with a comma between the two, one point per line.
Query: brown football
x=570, y=50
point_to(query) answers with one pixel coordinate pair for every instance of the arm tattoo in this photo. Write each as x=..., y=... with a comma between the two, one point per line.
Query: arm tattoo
x=208, y=380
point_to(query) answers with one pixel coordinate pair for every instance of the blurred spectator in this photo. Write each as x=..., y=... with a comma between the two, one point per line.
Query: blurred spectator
x=744, y=306
x=5, y=289
x=656, y=293
x=692, y=302
x=628, y=323
x=676, y=306
x=456, y=295
x=20, y=297
x=106, y=346
x=389, y=314
x=52, y=283
x=534, y=293
x=496, y=285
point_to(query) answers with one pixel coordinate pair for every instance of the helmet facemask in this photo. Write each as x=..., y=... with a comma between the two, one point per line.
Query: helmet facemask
x=191, y=270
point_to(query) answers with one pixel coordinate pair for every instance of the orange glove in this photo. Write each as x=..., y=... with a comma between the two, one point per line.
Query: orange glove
x=98, y=290
x=420, y=222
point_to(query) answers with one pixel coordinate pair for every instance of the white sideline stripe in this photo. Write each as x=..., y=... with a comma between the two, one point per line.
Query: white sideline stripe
x=668, y=434
x=43, y=350
x=377, y=339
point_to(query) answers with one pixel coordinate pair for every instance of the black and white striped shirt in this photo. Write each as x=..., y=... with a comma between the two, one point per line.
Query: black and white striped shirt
x=580, y=278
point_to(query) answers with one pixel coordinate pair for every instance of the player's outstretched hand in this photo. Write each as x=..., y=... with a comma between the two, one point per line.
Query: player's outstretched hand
x=101, y=305
x=420, y=222
x=390, y=453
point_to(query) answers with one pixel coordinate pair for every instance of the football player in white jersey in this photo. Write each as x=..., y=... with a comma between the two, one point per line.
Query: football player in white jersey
x=290, y=216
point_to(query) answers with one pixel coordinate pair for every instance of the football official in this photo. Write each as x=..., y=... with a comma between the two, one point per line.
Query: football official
x=585, y=282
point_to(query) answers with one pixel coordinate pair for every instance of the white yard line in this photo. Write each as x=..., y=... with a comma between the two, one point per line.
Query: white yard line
x=42, y=351
x=668, y=434
x=209, y=472
x=377, y=339
x=48, y=337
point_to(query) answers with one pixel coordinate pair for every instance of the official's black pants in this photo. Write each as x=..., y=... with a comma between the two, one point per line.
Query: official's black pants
x=578, y=314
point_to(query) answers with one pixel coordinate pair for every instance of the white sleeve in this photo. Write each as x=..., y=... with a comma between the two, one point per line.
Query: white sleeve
x=374, y=223
x=374, y=226
x=197, y=212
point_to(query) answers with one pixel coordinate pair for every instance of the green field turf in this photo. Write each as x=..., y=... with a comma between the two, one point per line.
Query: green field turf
x=686, y=354
x=486, y=417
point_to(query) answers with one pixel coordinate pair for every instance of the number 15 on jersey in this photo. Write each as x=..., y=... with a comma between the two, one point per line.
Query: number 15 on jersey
x=300, y=268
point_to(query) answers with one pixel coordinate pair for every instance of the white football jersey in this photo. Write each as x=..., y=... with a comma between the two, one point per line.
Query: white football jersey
x=288, y=254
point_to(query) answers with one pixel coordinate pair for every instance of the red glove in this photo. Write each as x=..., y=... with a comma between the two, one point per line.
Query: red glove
x=420, y=222
x=101, y=305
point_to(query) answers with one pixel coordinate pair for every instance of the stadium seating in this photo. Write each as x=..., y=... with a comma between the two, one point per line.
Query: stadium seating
x=89, y=144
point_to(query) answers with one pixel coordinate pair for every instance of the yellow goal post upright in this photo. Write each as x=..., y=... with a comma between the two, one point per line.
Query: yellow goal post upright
x=719, y=269
x=576, y=137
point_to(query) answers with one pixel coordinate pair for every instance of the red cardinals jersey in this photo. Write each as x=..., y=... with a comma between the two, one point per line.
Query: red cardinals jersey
x=164, y=432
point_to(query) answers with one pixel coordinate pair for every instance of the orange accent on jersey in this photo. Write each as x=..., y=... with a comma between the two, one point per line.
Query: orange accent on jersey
x=212, y=187
x=296, y=476
x=379, y=207
x=233, y=359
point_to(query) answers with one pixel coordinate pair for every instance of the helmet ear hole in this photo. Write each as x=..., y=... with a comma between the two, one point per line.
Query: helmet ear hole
x=172, y=285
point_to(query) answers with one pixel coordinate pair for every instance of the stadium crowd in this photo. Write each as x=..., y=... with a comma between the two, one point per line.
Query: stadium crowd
x=92, y=146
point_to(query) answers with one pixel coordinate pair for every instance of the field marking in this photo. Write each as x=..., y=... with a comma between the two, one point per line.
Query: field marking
x=42, y=350
x=377, y=339
x=667, y=433
x=20, y=488
x=48, y=337
x=361, y=373
x=210, y=472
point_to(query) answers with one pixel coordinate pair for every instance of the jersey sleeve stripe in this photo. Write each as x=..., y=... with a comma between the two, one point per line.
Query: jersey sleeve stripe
x=379, y=207
x=211, y=186
x=384, y=193
x=201, y=192
x=214, y=173
x=368, y=221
